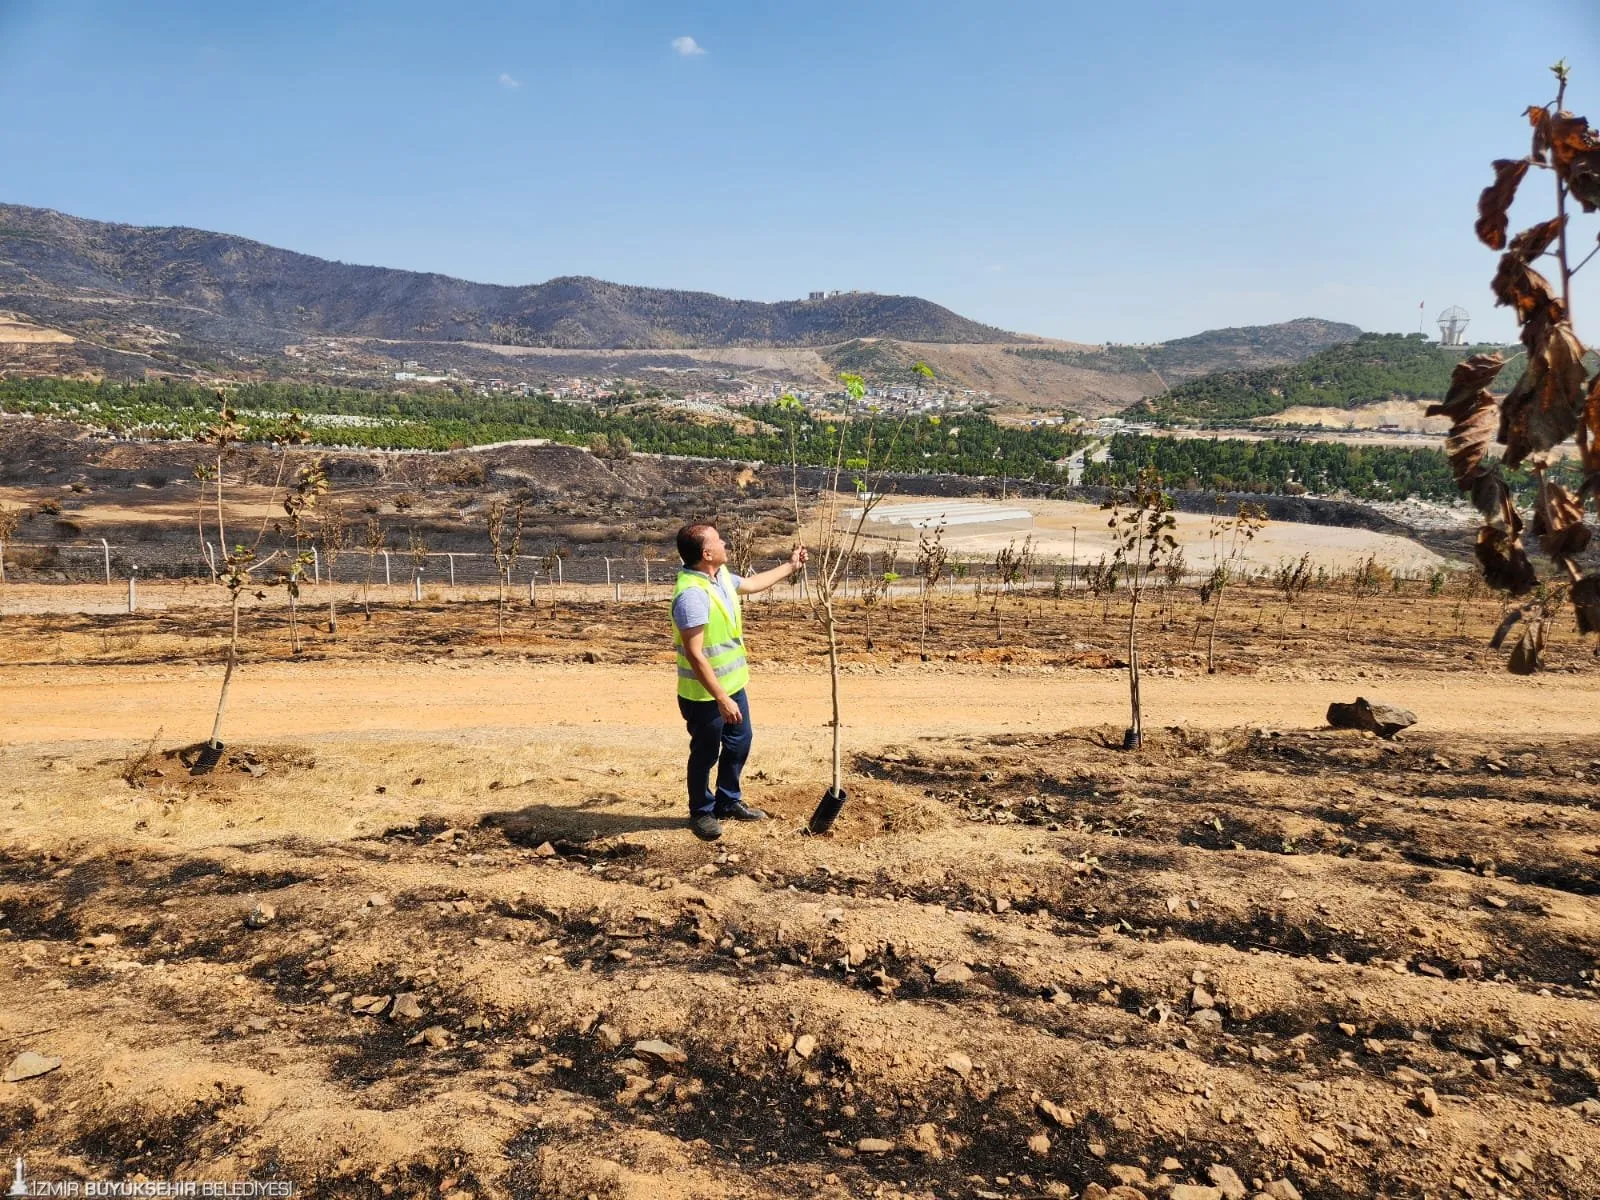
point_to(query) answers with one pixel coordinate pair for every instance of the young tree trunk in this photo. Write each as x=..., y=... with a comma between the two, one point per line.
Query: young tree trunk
x=1211, y=640
x=227, y=675
x=1136, y=729
x=333, y=614
x=294, y=624
x=366, y=588
x=922, y=639
x=833, y=682
x=868, y=612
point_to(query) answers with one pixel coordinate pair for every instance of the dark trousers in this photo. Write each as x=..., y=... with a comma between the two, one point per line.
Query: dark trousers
x=715, y=743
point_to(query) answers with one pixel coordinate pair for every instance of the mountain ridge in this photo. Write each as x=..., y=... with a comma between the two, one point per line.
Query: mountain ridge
x=240, y=280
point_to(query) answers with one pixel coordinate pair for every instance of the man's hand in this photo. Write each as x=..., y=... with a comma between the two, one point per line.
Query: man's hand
x=729, y=710
x=797, y=560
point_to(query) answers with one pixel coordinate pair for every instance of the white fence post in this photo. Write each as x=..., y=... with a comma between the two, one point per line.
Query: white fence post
x=386, y=581
x=104, y=546
x=561, y=575
x=452, y=559
x=416, y=586
x=608, y=573
x=616, y=591
x=133, y=592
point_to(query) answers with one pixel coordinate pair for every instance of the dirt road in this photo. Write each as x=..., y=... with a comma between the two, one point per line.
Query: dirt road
x=47, y=704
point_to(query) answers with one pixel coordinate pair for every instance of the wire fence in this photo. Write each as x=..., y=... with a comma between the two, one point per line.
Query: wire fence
x=626, y=577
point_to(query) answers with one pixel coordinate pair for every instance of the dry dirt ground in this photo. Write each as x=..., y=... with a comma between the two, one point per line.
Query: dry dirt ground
x=435, y=926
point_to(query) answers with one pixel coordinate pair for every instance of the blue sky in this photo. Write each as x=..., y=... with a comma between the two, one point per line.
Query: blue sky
x=1127, y=171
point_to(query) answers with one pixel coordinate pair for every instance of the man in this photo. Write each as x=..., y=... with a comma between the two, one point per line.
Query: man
x=708, y=630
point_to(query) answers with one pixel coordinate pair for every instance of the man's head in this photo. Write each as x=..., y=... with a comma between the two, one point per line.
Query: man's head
x=701, y=547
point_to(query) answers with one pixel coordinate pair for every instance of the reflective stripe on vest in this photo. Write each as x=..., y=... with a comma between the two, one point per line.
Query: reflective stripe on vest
x=723, y=638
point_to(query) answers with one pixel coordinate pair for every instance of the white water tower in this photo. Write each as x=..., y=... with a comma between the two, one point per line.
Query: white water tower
x=1453, y=326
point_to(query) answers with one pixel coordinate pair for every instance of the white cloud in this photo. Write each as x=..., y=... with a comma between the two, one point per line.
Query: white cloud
x=687, y=47
x=508, y=82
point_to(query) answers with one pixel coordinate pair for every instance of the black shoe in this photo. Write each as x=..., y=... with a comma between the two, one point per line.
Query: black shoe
x=706, y=827
x=741, y=812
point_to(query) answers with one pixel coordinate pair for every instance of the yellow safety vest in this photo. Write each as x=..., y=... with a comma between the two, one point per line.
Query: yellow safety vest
x=724, y=637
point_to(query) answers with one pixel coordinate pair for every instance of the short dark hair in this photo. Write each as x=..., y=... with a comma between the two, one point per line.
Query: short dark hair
x=692, y=541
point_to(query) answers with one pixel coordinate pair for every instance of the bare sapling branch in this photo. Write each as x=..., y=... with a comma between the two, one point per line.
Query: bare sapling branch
x=1141, y=525
x=238, y=564
x=932, y=557
x=505, y=547
x=838, y=539
x=333, y=538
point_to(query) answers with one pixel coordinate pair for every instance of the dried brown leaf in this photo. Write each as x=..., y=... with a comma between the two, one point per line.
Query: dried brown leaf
x=1558, y=521
x=1470, y=377
x=1473, y=412
x=1539, y=118
x=1570, y=138
x=1586, y=602
x=1575, y=154
x=1589, y=431
x=1544, y=407
x=1469, y=439
x=1494, y=205
x=1531, y=243
x=1502, y=555
x=1526, y=292
x=1525, y=654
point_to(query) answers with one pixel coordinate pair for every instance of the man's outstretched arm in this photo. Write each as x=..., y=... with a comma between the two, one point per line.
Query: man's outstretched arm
x=752, y=584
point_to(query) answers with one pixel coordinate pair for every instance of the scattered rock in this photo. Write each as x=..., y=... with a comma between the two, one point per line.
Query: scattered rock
x=1428, y=1101
x=1200, y=998
x=377, y=900
x=959, y=1063
x=1206, y=1018
x=1227, y=1179
x=953, y=973
x=372, y=1006
x=620, y=955
x=608, y=1037
x=857, y=953
x=1193, y=1191
x=1128, y=1175
x=544, y=850
x=437, y=1037
x=29, y=1065
x=405, y=1007
x=870, y=1145
x=1282, y=1189
x=1039, y=1143
x=804, y=1045
x=925, y=1140
x=1055, y=1114
x=1385, y=720
x=261, y=916
x=664, y=1053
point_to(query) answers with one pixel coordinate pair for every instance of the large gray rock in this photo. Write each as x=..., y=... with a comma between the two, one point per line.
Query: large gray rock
x=1385, y=720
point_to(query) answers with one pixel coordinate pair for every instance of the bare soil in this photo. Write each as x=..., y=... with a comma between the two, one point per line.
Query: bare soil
x=408, y=938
